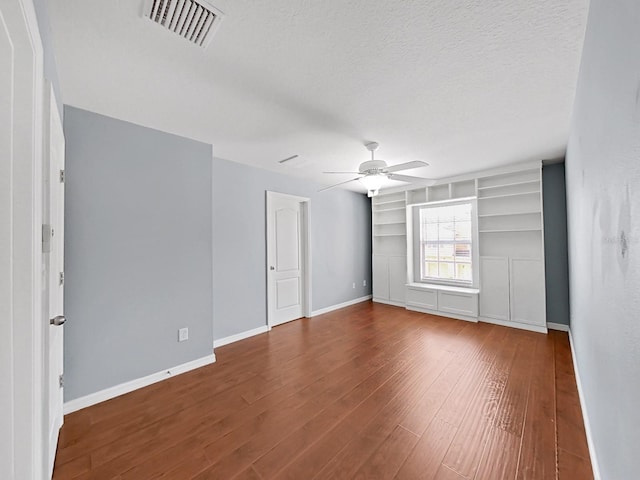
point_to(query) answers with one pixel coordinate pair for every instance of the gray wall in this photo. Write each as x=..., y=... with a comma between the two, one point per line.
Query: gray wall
x=138, y=251
x=50, y=67
x=555, y=243
x=603, y=196
x=340, y=244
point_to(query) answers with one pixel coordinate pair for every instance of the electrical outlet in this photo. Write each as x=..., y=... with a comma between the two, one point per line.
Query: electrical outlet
x=354, y=284
x=364, y=283
x=183, y=334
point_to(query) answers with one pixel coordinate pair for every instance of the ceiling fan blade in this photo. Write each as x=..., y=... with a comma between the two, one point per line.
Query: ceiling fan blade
x=351, y=173
x=410, y=179
x=338, y=184
x=406, y=166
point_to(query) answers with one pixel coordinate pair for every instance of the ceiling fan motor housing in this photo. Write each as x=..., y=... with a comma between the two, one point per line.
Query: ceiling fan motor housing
x=373, y=167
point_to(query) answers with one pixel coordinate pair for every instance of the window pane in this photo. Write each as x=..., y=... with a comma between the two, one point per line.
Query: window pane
x=463, y=231
x=431, y=252
x=462, y=212
x=447, y=271
x=446, y=231
x=430, y=232
x=446, y=252
x=463, y=252
x=463, y=271
x=431, y=270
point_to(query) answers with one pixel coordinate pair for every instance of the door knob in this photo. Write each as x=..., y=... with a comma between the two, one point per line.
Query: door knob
x=272, y=268
x=57, y=321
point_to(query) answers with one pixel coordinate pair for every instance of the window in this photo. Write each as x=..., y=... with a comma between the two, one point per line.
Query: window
x=445, y=243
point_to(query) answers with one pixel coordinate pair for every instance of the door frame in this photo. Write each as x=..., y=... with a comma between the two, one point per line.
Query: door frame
x=23, y=392
x=305, y=222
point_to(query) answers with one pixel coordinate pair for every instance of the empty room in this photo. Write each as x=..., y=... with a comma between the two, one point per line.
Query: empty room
x=319, y=240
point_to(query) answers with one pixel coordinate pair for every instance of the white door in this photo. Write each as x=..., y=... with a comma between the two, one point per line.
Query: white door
x=56, y=276
x=285, y=258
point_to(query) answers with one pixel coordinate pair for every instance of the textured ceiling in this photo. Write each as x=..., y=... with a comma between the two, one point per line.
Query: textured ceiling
x=463, y=85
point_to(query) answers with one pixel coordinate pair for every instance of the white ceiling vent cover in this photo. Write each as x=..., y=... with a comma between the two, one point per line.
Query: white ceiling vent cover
x=194, y=20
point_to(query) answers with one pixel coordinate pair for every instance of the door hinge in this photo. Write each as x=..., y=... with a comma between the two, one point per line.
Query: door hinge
x=61, y=176
x=61, y=278
x=61, y=381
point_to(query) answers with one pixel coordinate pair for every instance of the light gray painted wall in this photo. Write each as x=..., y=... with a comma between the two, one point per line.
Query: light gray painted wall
x=603, y=194
x=555, y=243
x=139, y=249
x=50, y=68
x=340, y=244
x=137, y=253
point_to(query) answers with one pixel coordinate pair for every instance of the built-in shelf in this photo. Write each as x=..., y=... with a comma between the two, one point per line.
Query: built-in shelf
x=510, y=267
x=527, y=182
x=388, y=209
x=386, y=202
x=506, y=230
x=531, y=212
x=517, y=194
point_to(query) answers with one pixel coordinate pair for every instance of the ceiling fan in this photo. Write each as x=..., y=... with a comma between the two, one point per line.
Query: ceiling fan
x=373, y=173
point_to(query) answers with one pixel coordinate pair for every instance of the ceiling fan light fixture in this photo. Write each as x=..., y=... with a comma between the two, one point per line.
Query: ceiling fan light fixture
x=373, y=182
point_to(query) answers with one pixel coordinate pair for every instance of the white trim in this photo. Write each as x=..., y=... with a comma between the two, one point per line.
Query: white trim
x=393, y=303
x=240, y=336
x=585, y=417
x=322, y=311
x=521, y=326
x=443, y=287
x=23, y=365
x=440, y=313
x=117, y=390
x=561, y=327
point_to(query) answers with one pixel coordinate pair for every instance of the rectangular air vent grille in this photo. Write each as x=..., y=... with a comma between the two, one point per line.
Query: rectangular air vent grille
x=193, y=20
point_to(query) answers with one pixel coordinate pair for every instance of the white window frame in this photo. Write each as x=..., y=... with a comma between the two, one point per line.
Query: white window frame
x=413, y=219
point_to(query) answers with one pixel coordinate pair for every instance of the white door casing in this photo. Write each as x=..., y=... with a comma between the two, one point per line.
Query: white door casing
x=55, y=269
x=6, y=300
x=22, y=343
x=287, y=258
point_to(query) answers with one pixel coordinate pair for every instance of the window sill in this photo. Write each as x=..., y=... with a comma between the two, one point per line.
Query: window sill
x=444, y=288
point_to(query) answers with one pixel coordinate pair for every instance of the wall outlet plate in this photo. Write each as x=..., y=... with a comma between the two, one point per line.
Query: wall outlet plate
x=183, y=334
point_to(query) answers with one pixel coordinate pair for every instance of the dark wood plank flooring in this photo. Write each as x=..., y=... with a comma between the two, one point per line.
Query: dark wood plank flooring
x=366, y=392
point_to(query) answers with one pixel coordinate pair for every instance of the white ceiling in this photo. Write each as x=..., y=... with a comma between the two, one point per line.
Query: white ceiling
x=463, y=85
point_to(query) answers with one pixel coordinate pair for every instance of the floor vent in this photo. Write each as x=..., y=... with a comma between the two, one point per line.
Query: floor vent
x=194, y=20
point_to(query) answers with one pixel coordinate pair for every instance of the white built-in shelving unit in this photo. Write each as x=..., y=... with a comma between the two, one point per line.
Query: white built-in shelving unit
x=510, y=246
x=389, y=248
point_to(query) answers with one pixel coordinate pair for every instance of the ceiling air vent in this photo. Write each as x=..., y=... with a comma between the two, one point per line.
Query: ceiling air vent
x=194, y=20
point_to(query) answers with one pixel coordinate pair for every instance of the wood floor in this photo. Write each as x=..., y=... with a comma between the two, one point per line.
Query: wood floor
x=367, y=392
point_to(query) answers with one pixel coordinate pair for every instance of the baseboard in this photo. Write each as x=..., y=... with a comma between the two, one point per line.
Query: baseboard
x=390, y=302
x=585, y=416
x=438, y=313
x=561, y=327
x=240, y=336
x=340, y=305
x=117, y=390
x=508, y=323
